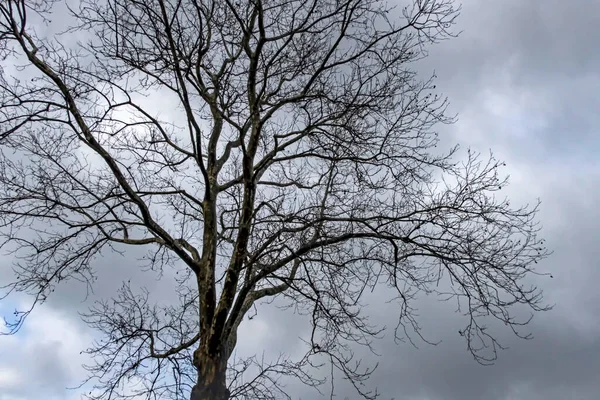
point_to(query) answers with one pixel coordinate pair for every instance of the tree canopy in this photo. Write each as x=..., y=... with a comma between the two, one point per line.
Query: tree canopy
x=267, y=149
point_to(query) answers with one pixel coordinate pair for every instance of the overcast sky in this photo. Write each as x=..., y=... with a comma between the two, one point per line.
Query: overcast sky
x=524, y=78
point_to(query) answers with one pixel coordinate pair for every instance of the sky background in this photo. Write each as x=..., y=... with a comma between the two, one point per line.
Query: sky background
x=524, y=79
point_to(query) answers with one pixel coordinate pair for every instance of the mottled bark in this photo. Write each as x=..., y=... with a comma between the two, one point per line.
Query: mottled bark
x=211, y=383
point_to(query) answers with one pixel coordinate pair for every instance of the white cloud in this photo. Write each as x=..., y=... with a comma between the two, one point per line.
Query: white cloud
x=44, y=357
x=9, y=378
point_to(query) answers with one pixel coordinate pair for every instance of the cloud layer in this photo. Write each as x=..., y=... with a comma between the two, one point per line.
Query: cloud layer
x=523, y=77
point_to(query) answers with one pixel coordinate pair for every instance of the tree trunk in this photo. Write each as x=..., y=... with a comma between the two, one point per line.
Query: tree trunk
x=215, y=391
x=212, y=383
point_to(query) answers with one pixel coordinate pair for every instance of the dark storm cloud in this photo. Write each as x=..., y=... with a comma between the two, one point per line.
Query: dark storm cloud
x=540, y=40
x=542, y=55
x=523, y=77
x=560, y=362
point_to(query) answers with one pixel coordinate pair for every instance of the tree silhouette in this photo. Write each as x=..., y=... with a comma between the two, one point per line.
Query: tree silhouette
x=297, y=162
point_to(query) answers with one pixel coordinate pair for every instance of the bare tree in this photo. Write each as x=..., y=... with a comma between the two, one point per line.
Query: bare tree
x=298, y=162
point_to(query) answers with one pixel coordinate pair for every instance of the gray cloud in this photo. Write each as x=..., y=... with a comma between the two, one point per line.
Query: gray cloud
x=523, y=78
